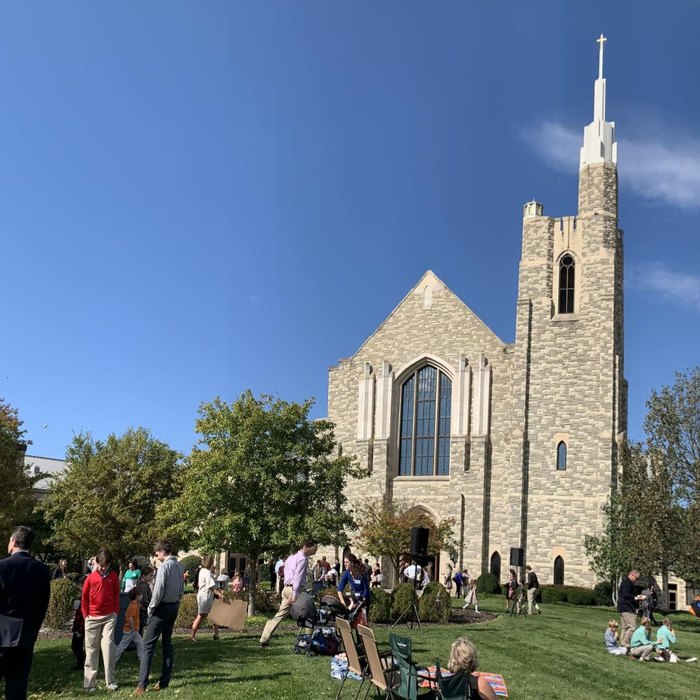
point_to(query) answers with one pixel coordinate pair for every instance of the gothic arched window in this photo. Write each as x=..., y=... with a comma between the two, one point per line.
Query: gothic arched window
x=496, y=565
x=566, y=285
x=559, y=571
x=424, y=449
x=561, y=456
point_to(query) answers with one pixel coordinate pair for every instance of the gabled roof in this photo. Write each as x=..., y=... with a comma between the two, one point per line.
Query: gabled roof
x=432, y=282
x=44, y=465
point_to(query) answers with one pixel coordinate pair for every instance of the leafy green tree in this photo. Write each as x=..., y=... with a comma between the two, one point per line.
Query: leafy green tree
x=261, y=479
x=642, y=521
x=384, y=529
x=108, y=494
x=16, y=498
x=672, y=425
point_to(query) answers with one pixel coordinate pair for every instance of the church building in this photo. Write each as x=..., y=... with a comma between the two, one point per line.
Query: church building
x=516, y=442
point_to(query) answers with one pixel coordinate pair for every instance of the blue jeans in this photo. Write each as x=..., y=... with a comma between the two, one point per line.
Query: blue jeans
x=160, y=622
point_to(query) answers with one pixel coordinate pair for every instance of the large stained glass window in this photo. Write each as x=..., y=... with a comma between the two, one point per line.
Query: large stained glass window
x=424, y=449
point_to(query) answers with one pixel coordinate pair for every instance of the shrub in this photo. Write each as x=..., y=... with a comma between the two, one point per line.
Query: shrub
x=330, y=590
x=188, y=611
x=263, y=601
x=488, y=583
x=553, y=594
x=401, y=599
x=435, y=604
x=380, y=605
x=190, y=564
x=603, y=593
x=63, y=595
x=580, y=596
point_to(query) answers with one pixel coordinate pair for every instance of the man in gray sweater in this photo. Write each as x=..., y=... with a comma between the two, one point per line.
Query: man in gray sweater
x=162, y=611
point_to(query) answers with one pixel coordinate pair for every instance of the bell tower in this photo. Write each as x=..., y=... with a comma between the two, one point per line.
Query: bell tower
x=568, y=364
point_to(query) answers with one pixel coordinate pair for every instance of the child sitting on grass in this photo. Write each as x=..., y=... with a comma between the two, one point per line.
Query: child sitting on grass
x=612, y=639
x=641, y=646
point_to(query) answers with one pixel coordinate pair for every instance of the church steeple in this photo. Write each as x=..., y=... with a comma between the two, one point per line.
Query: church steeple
x=599, y=145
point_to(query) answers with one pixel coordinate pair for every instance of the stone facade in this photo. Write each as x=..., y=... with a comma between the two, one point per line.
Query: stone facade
x=511, y=404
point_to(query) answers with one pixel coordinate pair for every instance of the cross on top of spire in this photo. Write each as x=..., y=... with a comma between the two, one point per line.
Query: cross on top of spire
x=601, y=40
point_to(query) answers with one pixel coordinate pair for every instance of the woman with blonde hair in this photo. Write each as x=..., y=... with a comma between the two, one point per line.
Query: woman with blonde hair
x=464, y=659
x=206, y=591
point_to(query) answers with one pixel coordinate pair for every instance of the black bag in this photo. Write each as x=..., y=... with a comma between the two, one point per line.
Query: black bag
x=10, y=631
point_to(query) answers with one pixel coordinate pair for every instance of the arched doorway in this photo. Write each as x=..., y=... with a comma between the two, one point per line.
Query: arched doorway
x=559, y=571
x=495, y=567
x=418, y=516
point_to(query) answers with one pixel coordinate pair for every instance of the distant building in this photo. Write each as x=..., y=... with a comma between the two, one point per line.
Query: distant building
x=49, y=466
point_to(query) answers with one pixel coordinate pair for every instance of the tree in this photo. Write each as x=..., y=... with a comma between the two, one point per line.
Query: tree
x=672, y=425
x=642, y=522
x=261, y=479
x=108, y=494
x=385, y=529
x=16, y=498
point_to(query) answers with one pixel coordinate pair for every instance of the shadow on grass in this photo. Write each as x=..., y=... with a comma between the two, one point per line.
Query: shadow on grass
x=202, y=663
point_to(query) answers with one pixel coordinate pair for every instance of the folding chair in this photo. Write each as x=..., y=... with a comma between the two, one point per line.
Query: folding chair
x=400, y=646
x=380, y=667
x=409, y=677
x=459, y=686
x=357, y=663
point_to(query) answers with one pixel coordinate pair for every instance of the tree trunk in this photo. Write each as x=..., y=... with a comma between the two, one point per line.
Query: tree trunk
x=664, y=589
x=253, y=559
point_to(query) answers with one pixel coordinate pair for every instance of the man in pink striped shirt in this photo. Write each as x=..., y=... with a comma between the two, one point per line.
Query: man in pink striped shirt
x=294, y=583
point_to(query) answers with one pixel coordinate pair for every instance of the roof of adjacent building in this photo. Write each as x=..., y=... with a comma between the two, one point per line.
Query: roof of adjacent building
x=44, y=465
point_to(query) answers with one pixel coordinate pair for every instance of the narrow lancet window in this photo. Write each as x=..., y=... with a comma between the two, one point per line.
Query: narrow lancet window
x=561, y=456
x=559, y=571
x=566, y=285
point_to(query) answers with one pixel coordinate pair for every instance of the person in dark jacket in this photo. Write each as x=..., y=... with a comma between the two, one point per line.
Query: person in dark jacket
x=25, y=585
x=627, y=606
x=61, y=571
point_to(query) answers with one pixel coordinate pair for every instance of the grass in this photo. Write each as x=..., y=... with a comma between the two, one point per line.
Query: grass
x=557, y=656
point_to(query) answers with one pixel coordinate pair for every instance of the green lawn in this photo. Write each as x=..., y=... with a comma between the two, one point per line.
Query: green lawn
x=557, y=655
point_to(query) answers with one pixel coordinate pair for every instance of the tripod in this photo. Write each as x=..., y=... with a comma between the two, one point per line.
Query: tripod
x=411, y=610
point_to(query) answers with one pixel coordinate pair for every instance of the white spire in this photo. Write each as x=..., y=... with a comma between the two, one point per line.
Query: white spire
x=599, y=144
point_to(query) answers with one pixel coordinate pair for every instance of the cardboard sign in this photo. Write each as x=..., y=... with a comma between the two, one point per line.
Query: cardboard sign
x=229, y=613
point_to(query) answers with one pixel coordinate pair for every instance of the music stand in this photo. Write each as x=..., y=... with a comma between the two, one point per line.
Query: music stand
x=414, y=618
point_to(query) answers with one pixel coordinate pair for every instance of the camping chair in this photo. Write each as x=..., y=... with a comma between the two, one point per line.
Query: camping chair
x=400, y=646
x=458, y=686
x=357, y=663
x=380, y=667
x=409, y=678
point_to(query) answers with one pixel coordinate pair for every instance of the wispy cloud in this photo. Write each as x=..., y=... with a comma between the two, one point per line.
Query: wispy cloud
x=654, y=170
x=658, y=279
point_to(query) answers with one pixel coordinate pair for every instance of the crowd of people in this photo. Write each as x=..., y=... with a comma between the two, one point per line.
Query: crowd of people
x=639, y=642
x=154, y=594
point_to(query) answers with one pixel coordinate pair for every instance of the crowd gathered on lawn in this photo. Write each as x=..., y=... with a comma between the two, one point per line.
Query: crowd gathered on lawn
x=154, y=592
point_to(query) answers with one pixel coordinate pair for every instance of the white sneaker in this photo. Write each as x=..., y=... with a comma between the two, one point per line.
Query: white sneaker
x=112, y=686
x=691, y=659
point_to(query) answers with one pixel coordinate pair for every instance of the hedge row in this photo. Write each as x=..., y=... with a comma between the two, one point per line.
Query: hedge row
x=434, y=605
x=576, y=595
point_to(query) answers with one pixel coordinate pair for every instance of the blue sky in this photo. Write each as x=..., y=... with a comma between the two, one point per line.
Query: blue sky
x=200, y=197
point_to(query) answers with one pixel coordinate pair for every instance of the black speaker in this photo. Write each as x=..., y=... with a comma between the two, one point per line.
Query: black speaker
x=419, y=540
x=517, y=556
